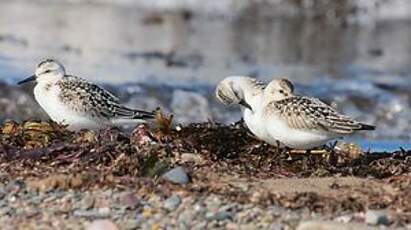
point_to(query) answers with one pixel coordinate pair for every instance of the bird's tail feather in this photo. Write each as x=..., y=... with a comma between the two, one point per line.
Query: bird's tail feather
x=140, y=114
x=367, y=127
x=122, y=111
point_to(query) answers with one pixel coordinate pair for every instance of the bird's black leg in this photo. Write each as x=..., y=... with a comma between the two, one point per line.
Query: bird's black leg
x=332, y=156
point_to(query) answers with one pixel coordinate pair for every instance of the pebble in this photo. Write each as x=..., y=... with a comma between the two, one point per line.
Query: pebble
x=191, y=157
x=187, y=216
x=376, y=217
x=276, y=226
x=177, y=175
x=228, y=207
x=2, y=192
x=200, y=208
x=276, y=210
x=219, y=216
x=172, y=203
x=87, y=202
x=65, y=207
x=93, y=213
x=102, y=225
x=5, y=211
x=232, y=226
x=344, y=218
x=201, y=225
x=130, y=224
x=105, y=211
x=129, y=200
x=132, y=211
x=13, y=187
x=324, y=225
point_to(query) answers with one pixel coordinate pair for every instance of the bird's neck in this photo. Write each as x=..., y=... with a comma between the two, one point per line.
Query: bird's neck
x=253, y=95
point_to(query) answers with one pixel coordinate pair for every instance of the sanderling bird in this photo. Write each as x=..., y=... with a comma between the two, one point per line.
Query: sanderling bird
x=302, y=122
x=247, y=92
x=77, y=103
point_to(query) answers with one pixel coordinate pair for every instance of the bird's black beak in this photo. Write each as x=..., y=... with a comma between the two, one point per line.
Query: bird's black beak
x=31, y=78
x=245, y=104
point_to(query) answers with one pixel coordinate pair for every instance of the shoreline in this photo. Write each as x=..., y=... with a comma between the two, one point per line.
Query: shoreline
x=199, y=105
x=221, y=178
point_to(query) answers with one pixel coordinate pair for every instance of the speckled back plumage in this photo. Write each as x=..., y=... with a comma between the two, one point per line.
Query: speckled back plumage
x=312, y=114
x=85, y=97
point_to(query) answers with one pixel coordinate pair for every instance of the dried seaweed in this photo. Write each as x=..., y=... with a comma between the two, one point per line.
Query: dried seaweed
x=112, y=157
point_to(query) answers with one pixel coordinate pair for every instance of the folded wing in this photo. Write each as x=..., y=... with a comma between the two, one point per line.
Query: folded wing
x=84, y=96
x=312, y=114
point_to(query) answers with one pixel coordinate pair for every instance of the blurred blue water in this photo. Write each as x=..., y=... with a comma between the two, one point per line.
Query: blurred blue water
x=384, y=145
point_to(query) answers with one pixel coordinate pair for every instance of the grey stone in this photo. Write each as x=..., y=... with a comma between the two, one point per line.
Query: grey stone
x=184, y=226
x=102, y=225
x=129, y=200
x=37, y=200
x=276, y=226
x=189, y=107
x=6, y=211
x=325, y=225
x=13, y=187
x=140, y=219
x=219, y=216
x=376, y=217
x=191, y=157
x=93, y=213
x=200, y=208
x=177, y=175
x=50, y=198
x=87, y=202
x=172, y=203
x=131, y=224
x=146, y=103
x=276, y=210
x=187, y=216
x=228, y=207
x=2, y=192
x=200, y=225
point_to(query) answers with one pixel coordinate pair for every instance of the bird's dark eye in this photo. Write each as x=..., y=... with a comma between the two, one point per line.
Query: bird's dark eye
x=281, y=91
x=47, y=71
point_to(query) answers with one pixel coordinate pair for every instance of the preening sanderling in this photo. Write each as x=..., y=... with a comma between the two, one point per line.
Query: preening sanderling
x=247, y=92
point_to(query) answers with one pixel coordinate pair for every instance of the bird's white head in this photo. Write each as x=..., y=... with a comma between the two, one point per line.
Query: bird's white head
x=47, y=71
x=279, y=89
x=230, y=91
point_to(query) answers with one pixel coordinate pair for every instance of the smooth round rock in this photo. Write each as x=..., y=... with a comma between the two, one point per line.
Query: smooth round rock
x=177, y=175
x=172, y=203
x=375, y=217
x=102, y=225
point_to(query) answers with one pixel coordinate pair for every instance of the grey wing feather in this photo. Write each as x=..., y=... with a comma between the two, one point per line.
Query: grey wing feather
x=313, y=114
x=84, y=96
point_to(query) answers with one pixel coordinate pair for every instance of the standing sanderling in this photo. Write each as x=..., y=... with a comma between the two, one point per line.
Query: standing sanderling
x=248, y=93
x=302, y=122
x=75, y=102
